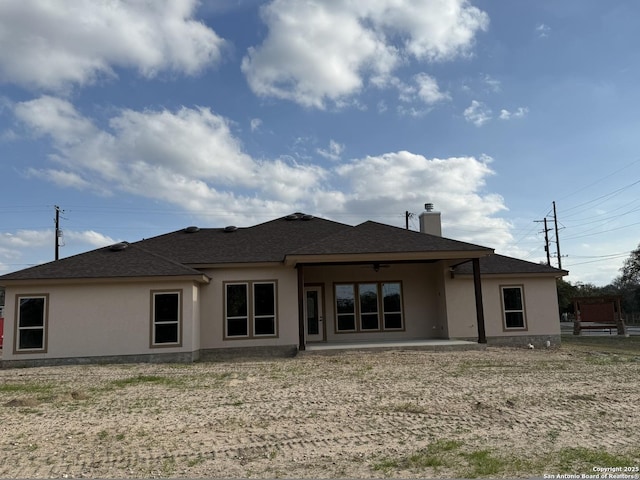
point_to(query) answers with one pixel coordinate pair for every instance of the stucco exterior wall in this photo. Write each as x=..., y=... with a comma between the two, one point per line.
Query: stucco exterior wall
x=422, y=293
x=212, y=306
x=94, y=320
x=540, y=302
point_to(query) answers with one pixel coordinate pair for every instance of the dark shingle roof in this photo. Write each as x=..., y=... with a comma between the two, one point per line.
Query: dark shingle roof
x=500, y=264
x=176, y=253
x=373, y=237
x=266, y=242
x=131, y=261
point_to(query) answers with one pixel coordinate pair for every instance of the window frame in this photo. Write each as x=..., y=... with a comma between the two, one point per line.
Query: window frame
x=357, y=313
x=152, y=335
x=251, y=317
x=523, y=308
x=252, y=314
x=18, y=329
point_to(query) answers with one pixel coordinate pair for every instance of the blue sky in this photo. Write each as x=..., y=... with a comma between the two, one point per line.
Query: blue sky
x=142, y=118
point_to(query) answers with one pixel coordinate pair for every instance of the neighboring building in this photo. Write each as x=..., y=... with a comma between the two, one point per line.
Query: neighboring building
x=274, y=287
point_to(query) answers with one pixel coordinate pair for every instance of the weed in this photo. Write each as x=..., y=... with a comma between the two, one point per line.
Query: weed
x=141, y=379
x=196, y=461
x=103, y=435
x=168, y=466
x=585, y=397
x=483, y=464
x=409, y=407
x=553, y=435
x=434, y=456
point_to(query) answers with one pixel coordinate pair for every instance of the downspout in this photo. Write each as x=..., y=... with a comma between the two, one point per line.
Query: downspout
x=477, y=284
x=301, y=345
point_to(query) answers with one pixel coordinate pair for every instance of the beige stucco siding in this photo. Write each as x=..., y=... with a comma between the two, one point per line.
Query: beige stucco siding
x=422, y=292
x=101, y=319
x=540, y=299
x=212, y=314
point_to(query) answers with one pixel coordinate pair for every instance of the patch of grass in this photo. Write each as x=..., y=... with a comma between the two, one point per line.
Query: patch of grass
x=450, y=457
x=103, y=435
x=168, y=466
x=611, y=344
x=576, y=459
x=199, y=459
x=27, y=388
x=483, y=464
x=438, y=454
x=145, y=379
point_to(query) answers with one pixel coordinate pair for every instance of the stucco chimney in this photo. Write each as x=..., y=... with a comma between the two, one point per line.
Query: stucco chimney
x=430, y=221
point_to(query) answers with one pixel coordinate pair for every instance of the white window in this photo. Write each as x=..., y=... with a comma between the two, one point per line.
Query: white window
x=31, y=323
x=250, y=309
x=166, y=318
x=513, y=307
x=378, y=307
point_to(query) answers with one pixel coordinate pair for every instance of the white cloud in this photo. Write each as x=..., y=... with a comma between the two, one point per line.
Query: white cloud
x=333, y=152
x=518, y=113
x=61, y=178
x=26, y=239
x=88, y=237
x=188, y=157
x=22, y=244
x=543, y=30
x=318, y=52
x=428, y=90
x=256, y=123
x=53, y=46
x=191, y=158
x=391, y=183
x=493, y=84
x=477, y=113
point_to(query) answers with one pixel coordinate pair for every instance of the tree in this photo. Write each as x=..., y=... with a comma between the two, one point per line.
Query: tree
x=631, y=269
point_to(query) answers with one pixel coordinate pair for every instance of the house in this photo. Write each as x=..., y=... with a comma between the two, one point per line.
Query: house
x=275, y=287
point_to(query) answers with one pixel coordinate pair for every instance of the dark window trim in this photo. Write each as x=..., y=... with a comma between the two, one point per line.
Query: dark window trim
x=525, y=326
x=251, y=324
x=153, y=293
x=357, y=313
x=45, y=325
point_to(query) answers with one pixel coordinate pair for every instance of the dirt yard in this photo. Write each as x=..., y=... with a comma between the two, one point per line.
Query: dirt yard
x=498, y=413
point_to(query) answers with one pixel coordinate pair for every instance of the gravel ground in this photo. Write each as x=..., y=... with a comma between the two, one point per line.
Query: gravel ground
x=409, y=414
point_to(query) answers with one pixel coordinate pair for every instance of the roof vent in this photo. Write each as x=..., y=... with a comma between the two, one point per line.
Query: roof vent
x=192, y=229
x=428, y=207
x=293, y=216
x=118, y=247
x=307, y=217
x=230, y=228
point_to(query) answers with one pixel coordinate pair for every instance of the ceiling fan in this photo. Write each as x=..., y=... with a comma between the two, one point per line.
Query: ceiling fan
x=376, y=266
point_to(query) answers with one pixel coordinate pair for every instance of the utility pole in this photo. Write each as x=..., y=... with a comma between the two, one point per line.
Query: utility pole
x=546, y=239
x=406, y=219
x=57, y=235
x=555, y=221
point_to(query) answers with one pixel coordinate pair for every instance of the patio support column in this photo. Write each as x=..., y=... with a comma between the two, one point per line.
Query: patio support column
x=302, y=345
x=477, y=284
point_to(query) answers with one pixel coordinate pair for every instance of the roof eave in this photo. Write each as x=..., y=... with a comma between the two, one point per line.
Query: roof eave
x=97, y=280
x=516, y=274
x=293, y=260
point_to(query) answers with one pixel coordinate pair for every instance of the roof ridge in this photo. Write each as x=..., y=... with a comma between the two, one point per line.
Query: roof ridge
x=162, y=257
